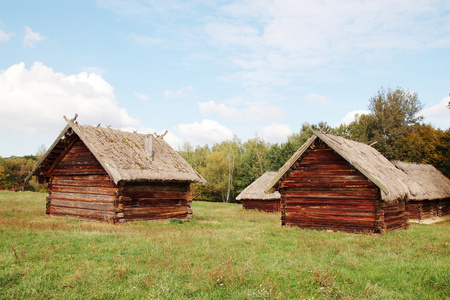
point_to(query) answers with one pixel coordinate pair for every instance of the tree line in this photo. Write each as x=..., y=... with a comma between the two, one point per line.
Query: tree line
x=393, y=127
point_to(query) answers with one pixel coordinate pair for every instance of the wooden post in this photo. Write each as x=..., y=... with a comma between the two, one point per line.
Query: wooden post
x=283, y=206
x=380, y=225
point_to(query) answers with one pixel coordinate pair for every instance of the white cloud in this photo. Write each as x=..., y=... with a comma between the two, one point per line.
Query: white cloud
x=142, y=97
x=286, y=38
x=31, y=37
x=206, y=132
x=438, y=114
x=314, y=99
x=276, y=133
x=4, y=37
x=183, y=92
x=351, y=116
x=34, y=101
x=252, y=113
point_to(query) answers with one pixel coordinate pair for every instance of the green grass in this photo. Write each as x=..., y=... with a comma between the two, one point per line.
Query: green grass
x=222, y=253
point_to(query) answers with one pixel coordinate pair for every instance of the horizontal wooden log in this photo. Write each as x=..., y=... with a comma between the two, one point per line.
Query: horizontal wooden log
x=329, y=222
x=83, y=205
x=143, y=202
x=332, y=202
x=156, y=194
x=84, y=182
x=131, y=188
x=77, y=159
x=330, y=209
x=86, y=213
x=343, y=225
x=313, y=172
x=81, y=171
x=85, y=190
x=85, y=177
x=325, y=184
x=322, y=216
x=129, y=211
x=262, y=205
x=335, y=195
x=83, y=197
x=136, y=217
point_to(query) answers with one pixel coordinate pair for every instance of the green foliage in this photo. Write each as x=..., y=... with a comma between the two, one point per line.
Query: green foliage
x=253, y=162
x=224, y=252
x=14, y=170
x=393, y=112
x=442, y=161
x=229, y=167
x=358, y=130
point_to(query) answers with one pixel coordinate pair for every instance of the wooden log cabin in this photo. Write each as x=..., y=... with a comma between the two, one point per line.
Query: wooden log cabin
x=254, y=197
x=337, y=184
x=433, y=198
x=115, y=176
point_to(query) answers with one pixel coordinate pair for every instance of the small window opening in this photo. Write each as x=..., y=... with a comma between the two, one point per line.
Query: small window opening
x=134, y=202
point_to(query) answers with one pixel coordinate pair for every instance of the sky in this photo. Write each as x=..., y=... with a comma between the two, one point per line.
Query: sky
x=209, y=71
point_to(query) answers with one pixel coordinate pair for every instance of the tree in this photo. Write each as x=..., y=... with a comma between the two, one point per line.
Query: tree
x=393, y=112
x=358, y=130
x=420, y=144
x=442, y=160
x=253, y=162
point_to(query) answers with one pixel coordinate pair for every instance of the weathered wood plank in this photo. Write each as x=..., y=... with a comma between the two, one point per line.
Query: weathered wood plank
x=83, y=197
x=130, y=188
x=346, y=210
x=61, y=181
x=84, y=204
x=154, y=216
x=156, y=194
x=149, y=210
x=95, y=214
x=262, y=205
x=330, y=216
x=167, y=202
x=84, y=190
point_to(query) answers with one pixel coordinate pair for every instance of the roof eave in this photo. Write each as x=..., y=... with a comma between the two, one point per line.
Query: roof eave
x=44, y=157
x=286, y=167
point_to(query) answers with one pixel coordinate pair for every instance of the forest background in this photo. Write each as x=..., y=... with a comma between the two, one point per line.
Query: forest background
x=394, y=127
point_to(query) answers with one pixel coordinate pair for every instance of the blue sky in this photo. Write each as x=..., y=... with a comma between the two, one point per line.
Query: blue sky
x=208, y=70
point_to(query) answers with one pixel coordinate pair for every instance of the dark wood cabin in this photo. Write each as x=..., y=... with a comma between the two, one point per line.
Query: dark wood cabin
x=254, y=197
x=115, y=176
x=337, y=184
x=432, y=199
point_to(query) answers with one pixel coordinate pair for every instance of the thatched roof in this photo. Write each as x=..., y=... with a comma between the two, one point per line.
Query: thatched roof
x=362, y=157
x=433, y=184
x=255, y=191
x=123, y=155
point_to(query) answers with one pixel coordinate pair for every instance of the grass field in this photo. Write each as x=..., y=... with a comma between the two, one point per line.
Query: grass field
x=222, y=253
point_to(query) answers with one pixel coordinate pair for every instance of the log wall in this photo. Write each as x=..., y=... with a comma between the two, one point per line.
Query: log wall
x=262, y=205
x=426, y=209
x=80, y=187
x=323, y=191
x=154, y=201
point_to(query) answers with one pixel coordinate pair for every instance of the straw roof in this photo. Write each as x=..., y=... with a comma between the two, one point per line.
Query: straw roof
x=255, y=191
x=123, y=156
x=433, y=184
x=367, y=160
